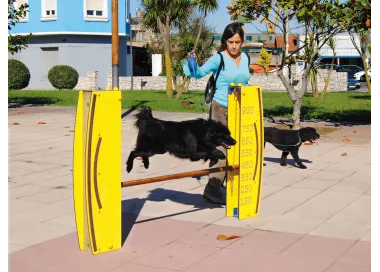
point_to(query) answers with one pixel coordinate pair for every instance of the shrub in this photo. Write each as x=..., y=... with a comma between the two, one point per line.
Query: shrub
x=63, y=77
x=18, y=75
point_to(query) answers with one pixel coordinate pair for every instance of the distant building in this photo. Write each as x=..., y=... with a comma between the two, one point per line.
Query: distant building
x=71, y=32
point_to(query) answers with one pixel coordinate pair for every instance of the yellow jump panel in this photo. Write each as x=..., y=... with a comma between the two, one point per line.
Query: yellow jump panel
x=101, y=174
x=80, y=134
x=232, y=192
x=251, y=151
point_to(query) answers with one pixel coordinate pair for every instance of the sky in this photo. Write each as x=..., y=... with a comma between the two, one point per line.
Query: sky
x=221, y=18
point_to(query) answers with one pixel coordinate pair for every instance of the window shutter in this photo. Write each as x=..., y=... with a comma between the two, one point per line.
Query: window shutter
x=95, y=4
x=50, y=4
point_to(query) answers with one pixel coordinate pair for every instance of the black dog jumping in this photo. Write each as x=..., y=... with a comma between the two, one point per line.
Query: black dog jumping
x=193, y=139
x=289, y=141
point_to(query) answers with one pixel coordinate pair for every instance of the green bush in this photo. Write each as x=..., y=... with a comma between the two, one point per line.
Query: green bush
x=63, y=77
x=18, y=75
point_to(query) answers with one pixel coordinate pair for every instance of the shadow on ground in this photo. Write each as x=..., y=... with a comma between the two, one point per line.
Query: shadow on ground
x=135, y=205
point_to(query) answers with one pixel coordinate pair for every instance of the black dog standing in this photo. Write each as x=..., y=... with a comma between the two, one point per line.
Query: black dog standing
x=289, y=141
x=193, y=139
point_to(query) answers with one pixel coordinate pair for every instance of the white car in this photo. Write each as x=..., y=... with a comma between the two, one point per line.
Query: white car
x=361, y=75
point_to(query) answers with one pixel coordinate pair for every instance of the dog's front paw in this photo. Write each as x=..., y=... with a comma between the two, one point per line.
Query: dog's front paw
x=146, y=163
x=129, y=167
x=302, y=166
x=213, y=162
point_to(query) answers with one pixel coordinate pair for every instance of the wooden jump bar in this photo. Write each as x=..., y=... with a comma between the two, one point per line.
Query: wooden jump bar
x=178, y=176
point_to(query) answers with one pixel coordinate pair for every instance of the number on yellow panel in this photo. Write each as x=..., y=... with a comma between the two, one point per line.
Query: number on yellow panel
x=245, y=200
x=246, y=165
x=247, y=140
x=246, y=177
x=247, y=110
x=246, y=189
x=246, y=153
x=248, y=128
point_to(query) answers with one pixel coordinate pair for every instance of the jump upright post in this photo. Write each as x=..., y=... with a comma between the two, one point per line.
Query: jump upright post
x=97, y=164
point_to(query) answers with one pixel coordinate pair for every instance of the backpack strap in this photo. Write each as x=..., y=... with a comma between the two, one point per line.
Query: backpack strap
x=249, y=59
x=221, y=65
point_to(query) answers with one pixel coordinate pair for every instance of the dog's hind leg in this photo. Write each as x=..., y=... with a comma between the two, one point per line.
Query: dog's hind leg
x=134, y=154
x=146, y=162
x=298, y=160
x=283, y=158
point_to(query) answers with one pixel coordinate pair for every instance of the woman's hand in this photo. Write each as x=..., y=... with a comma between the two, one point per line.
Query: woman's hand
x=192, y=52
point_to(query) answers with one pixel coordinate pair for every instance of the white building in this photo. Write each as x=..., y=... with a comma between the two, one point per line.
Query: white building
x=346, y=53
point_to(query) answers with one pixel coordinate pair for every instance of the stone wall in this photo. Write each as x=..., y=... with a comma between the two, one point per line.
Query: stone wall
x=90, y=82
x=270, y=82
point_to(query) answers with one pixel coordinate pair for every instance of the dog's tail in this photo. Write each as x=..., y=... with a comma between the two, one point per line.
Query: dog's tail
x=143, y=115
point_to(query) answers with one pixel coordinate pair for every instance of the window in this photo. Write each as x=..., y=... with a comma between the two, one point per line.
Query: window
x=218, y=38
x=17, y=4
x=49, y=10
x=258, y=38
x=95, y=10
x=248, y=38
x=138, y=36
x=270, y=38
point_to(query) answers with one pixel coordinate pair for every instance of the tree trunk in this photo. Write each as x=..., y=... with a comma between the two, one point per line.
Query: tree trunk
x=200, y=29
x=327, y=81
x=315, y=87
x=366, y=73
x=297, y=113
x=165, y=30
x=169, y=78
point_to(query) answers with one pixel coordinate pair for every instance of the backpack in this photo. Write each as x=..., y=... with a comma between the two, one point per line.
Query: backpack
x=211, y=83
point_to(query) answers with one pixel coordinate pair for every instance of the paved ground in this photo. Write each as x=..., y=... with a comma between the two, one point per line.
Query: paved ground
x=310, y=220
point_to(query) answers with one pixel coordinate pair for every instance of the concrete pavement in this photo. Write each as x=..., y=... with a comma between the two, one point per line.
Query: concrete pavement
x=310, y=220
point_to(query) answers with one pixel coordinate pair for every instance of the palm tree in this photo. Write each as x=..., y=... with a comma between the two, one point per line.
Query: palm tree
x=331, y=42
x=161, y=16
x=205, y=6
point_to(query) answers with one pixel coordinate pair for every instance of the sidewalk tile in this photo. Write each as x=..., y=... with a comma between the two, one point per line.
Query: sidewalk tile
x=32, y=259
x=359, y=210
x=359, y=254
x=207, y=236
x=343, y=229
x=25, y=190
x=313, y=183
x=338, y=267
x=325, y=204
x=51, y=196
x=227, y=260
x=176, y=256
x=286, y=200
x=318, y=248
x=41, y=233
x=292, y=223
x=265, y=242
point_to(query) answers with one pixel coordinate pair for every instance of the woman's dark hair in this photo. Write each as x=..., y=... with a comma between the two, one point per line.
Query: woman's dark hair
x=230, y=31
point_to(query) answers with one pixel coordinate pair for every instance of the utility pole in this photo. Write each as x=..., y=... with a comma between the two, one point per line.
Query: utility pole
x=115, y=44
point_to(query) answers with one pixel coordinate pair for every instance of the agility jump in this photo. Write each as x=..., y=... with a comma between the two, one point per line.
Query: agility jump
x=97, y=164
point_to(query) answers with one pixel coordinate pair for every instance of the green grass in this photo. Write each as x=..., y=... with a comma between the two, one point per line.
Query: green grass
x=345, y=106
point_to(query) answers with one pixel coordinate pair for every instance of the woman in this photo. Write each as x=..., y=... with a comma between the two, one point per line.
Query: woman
x=236, y=69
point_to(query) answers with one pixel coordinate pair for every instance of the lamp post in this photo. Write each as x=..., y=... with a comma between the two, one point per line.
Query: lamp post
x=130, y=50
x=115, y=44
